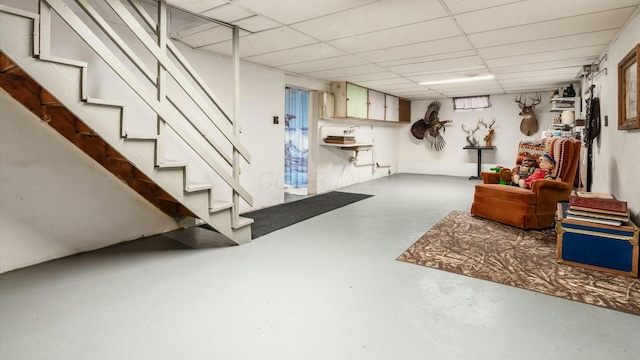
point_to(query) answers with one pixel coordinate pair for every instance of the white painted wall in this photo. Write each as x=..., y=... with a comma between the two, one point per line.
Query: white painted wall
x=330, y=168
x=416, y=156
x=56, y=201
x=37, y=230
x=616, y=153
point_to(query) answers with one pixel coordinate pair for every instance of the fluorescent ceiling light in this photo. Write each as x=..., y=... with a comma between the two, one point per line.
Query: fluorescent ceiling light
x=459, y=80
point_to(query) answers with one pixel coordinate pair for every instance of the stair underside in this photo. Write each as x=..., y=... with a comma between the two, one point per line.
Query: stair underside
x=96, y=128
x=29, y=93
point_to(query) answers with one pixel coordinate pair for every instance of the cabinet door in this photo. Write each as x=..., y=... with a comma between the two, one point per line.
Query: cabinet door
x=376, y=105
x=392, y=111
x=405, y=111
x=356, y=101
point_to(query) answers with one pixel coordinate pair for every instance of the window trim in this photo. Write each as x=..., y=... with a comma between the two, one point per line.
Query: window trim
x=455, y=108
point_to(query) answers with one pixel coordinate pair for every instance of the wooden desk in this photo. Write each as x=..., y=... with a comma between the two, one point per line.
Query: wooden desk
x=479, y=148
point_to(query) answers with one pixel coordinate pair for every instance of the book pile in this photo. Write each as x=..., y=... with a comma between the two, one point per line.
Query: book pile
x=599, y=209
x=331, y=139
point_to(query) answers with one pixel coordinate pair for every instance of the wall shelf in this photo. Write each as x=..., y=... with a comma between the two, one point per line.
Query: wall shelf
x=351, y=147
x=565, y=104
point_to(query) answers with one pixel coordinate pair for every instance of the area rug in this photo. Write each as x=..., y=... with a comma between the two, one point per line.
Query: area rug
x=484, y=249
x=277, y=217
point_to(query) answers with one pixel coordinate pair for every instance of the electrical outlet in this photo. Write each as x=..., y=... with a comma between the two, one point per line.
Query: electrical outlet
x=275, y=120
x=606, y=120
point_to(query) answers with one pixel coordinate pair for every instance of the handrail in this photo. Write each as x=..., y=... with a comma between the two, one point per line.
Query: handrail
x=161, y=108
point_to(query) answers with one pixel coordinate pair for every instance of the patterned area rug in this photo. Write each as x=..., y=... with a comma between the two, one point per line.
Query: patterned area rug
x=483, y=249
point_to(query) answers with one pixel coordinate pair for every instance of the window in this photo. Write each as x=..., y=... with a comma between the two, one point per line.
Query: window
x=471, y=103
x=628, y=95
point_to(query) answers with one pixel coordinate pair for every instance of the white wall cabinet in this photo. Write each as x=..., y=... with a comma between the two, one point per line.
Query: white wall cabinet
x=377, y=104
x=350, y=100
x=392, y=109
x=353, y=101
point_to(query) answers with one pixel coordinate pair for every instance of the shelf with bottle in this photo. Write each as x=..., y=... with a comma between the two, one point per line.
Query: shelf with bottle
x=559, y=104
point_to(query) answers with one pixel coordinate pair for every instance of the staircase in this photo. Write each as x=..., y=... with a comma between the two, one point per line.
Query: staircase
x=55, y=89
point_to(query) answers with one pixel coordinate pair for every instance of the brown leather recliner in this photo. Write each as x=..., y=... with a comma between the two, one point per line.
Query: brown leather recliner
x=533, y=208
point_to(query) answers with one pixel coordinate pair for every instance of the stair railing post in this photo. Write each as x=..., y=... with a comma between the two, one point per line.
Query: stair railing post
x=162, y=31
x=44, y=43
x=236, y=126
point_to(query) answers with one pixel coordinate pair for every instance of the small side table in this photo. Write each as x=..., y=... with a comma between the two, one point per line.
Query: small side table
x=479, y=148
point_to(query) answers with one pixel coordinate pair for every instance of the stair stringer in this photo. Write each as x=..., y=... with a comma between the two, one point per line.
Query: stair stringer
x=63, y=79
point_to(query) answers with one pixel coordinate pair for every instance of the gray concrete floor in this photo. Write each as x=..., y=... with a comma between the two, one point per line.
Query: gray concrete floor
x=325, y=288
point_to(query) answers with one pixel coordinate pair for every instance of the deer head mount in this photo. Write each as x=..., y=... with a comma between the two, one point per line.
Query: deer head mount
x=529, y=123
x=471, y=137
x=489, y=134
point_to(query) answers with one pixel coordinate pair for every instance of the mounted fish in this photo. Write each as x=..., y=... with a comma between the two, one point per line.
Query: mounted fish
x=429, y=127
x=529, y=123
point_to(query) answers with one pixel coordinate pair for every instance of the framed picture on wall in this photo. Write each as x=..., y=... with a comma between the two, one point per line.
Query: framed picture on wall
x=628, y=96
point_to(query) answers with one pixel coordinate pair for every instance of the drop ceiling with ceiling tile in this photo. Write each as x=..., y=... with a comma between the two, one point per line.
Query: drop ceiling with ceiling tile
x=395, y=45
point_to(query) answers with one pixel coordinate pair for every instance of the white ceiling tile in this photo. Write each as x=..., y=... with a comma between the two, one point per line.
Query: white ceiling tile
x=391, y=83
x=575, y=25
x=346, y=71
x=257, y=23
x=389, y=45
x=297, y=55
x=407, y=89
x=228, y=13
x=207, y=37
x=196, y=6
x=426, y=48
x=588, y=51
x=453, y=55
x=558, y=43
x=403, y=35
x=527, y=12
x=473, y=92
x=325, y=64
x=544, y=65
x=538, y=79
x=380, y=15
x=293, y=11
x=469, y=85
x=437, y=65
x=365, y=77
x=193, y=28
x=264, y=42
x=449, y=74
x=424, y=92
x=530, y=88
x=559, y=72
x=462, y=6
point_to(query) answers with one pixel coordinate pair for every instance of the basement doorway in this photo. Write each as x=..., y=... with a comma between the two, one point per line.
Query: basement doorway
x=296, y=143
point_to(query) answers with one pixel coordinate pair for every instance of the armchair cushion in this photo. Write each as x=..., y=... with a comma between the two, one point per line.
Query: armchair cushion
x=530, y=208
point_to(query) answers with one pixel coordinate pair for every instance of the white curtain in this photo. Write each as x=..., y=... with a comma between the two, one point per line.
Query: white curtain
x=296, y=138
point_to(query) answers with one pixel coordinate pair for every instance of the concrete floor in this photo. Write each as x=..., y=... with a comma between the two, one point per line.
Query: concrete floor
x=325, y=288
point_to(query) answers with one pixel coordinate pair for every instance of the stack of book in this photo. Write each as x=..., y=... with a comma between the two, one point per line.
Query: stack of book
x=332, y=139
x=599, y=209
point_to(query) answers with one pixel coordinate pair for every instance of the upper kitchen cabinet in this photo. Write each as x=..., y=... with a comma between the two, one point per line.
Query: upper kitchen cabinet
x=353, y=101
x=392, y=110
x=405, y=110
x=350, y=99
x=377, y=101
